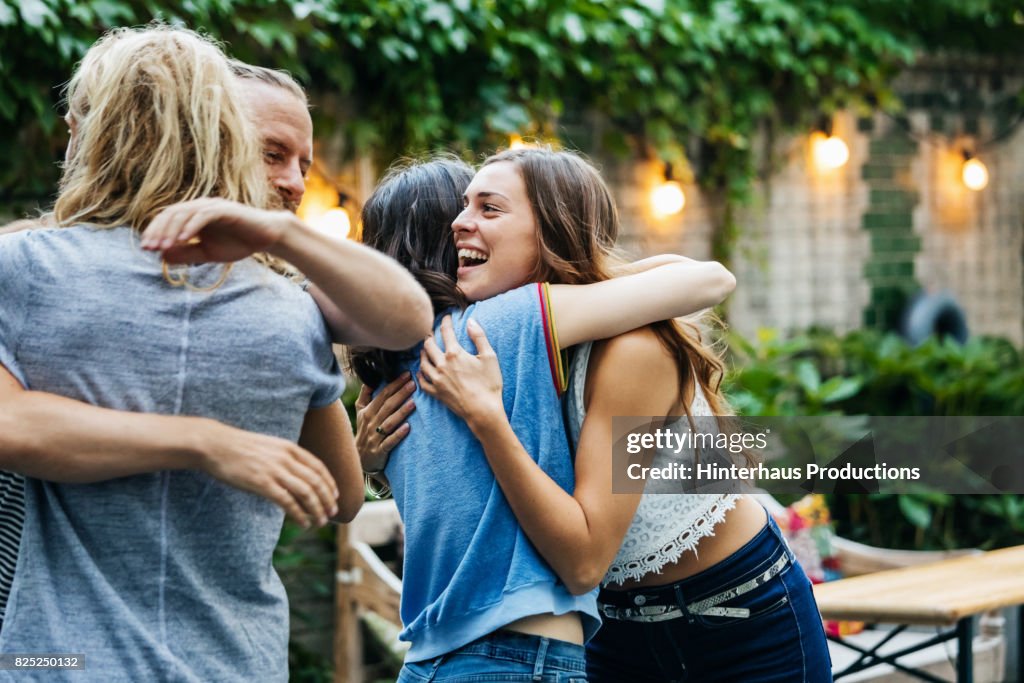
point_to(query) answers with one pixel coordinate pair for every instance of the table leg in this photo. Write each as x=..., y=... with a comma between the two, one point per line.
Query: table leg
x=1020, y=643
x=965, y=650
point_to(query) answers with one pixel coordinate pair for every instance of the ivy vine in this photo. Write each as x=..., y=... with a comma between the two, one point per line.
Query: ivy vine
x=691, y=81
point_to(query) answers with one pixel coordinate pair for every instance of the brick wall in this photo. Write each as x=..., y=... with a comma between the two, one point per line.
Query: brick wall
x=847, y=248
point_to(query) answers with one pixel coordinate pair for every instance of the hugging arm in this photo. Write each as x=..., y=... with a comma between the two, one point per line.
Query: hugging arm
x=668, y=287
x=367, y=298
x=645, y=291
x=577, y=533
x=580, y=533
x=379, y=421
x=327, y=432
x=58, y=439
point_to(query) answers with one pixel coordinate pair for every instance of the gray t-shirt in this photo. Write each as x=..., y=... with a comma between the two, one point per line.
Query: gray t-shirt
x=164, y=576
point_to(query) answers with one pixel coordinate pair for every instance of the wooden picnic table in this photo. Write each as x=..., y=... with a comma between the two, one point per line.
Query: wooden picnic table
x=946, y=593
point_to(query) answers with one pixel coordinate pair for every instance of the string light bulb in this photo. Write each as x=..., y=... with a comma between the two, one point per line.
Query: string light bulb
x=323, y=207
x=334, y=222
x=830, y=151
x=667, y=198
x=974, y=173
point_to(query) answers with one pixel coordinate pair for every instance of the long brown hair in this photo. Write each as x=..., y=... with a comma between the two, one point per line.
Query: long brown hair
x=577, y=228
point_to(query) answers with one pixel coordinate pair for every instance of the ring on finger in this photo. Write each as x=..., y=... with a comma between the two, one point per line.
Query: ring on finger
x=380, y=430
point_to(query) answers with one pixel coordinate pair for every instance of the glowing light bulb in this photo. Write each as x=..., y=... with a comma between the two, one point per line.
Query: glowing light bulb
x=975, y=175
x=334, y=222
x=830, y=152
x=516, y=142
x=668, y=198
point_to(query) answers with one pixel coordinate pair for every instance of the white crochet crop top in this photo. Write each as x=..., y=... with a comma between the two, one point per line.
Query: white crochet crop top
x=665, y=525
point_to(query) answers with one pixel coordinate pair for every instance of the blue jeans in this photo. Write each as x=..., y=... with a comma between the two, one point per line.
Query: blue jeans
x=770, y=633
x=503, y=656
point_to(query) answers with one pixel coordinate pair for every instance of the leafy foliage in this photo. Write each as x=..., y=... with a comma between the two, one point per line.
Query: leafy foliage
x=671, y=76
x=870, y=373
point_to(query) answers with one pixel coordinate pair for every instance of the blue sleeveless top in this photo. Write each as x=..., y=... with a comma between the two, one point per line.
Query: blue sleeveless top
x=469, y=567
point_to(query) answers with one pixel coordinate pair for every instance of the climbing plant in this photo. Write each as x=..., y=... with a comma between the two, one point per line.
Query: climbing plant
x=691, y=81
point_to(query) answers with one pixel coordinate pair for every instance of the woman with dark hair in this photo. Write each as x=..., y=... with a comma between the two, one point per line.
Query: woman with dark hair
x=410, y=198
x=694, y=586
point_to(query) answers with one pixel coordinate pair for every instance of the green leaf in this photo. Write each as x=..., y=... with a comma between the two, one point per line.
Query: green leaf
x=112, y=13
x=7, y=16
x=35, y=13
x=634, y=19
x=839, y=389
x=655, y=7
x=915, y=512
x=440, y=13
x=574, y=28
x=808, y=376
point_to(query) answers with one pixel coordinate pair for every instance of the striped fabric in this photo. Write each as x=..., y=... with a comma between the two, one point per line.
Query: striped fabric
x=557, y=359
x=12, y=518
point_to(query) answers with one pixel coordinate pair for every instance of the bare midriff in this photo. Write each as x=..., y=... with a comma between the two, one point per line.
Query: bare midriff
x=740, y=525
x=565, y=627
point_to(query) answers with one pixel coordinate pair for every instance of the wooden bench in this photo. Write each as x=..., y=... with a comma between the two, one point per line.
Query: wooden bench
x=363, y=584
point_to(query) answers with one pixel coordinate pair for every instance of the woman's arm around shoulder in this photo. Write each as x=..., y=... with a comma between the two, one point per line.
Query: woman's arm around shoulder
x=579, y=533
x=668, y=290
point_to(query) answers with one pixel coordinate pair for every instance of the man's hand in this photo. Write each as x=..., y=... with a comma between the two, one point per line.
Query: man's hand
x=213, y=230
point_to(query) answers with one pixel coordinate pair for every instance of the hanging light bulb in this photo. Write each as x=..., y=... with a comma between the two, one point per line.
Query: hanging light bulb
x=323, y=207
x=830, y=152
x=667, y=198
x=335, y=222
x=974, y=173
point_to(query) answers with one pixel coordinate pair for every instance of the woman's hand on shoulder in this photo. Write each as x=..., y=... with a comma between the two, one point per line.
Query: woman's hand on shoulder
x=470, y=385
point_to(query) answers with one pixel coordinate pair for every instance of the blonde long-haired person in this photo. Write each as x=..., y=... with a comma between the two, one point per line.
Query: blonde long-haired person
x=136, y=551
x=694, y=587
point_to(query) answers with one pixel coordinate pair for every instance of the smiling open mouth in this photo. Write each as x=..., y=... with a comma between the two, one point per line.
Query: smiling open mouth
x=468, y=258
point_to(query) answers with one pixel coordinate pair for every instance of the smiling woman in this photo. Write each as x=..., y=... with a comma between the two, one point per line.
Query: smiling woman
x=496, y=224
x=686, y=558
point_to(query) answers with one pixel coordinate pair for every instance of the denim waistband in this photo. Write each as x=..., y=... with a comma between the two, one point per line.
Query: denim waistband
x=755, y=556
x=528, y=649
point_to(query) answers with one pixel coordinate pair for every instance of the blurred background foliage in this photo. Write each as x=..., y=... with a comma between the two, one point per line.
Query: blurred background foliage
x=867, y=372
x=683, y=79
